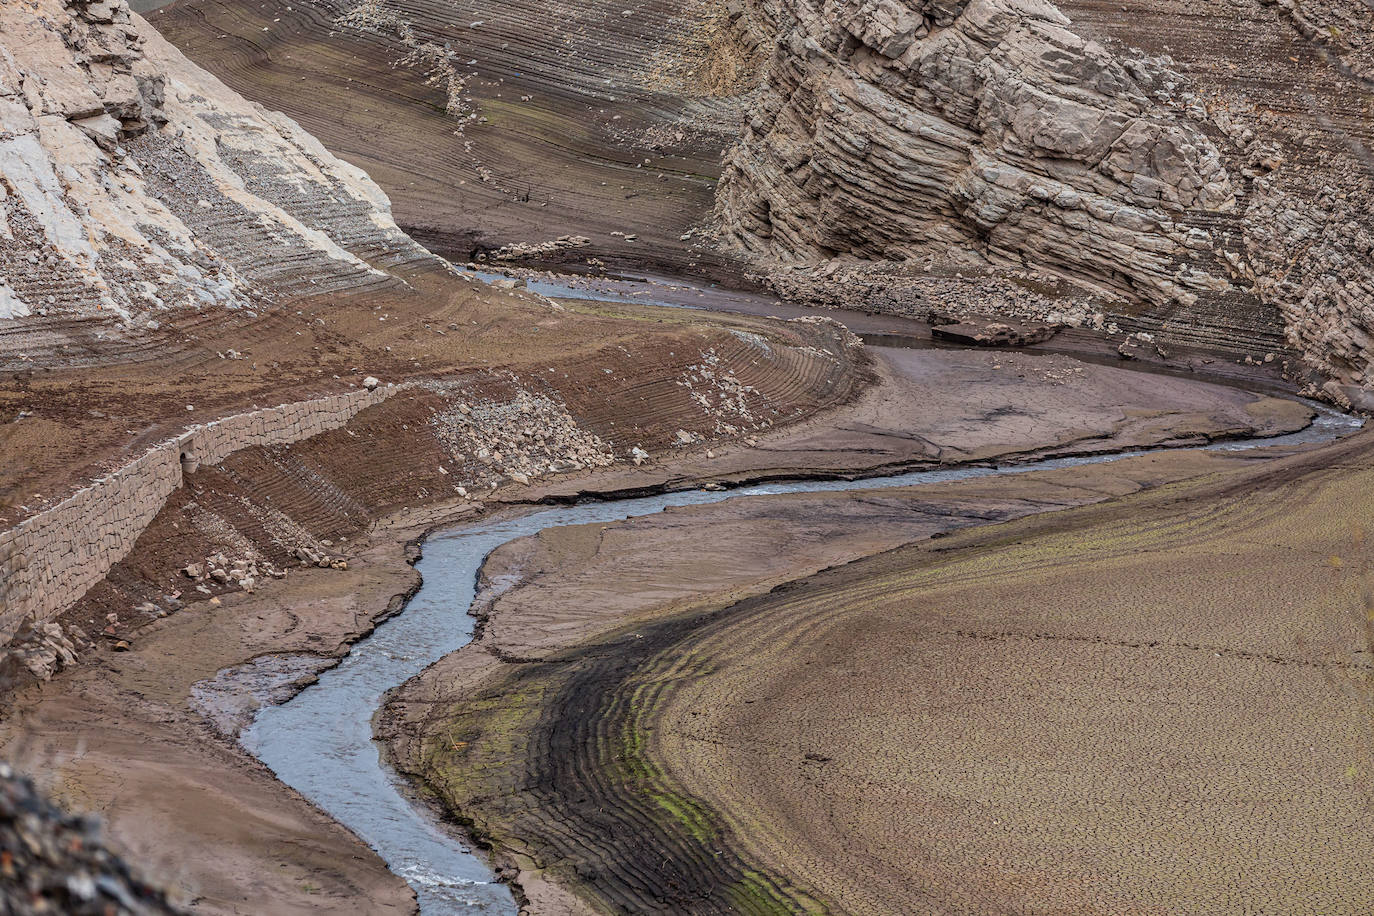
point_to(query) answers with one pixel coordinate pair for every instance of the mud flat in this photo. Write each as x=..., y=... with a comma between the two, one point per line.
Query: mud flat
x=544, y=595
x=320, y=742
x=128, y=734
x=1080, y=710
x=941, y=407
x=122, y=733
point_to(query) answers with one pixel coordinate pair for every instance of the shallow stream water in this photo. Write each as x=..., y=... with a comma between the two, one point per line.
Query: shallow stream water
x=320, y=742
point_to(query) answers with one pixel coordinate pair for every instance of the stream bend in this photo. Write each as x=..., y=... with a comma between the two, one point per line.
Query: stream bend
x=320, y=742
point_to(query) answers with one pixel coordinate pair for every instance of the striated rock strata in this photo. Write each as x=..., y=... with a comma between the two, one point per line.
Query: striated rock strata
x=1227, y=207
x=986, y=131
x=500, y=124
x=131, y=181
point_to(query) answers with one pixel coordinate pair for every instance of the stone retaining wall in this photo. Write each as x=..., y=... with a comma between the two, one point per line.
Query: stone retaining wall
x=48, y=562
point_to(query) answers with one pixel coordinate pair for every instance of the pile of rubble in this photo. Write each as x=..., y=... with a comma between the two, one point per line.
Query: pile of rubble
x=43, y=649
x=722, y=397
x=308, y=556
x=55, y=862
x=525, y=437
x=914, y=290
x=520, y=251
x=246, y=573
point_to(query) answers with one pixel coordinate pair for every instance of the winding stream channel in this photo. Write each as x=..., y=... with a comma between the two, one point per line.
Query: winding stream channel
x=320, y=742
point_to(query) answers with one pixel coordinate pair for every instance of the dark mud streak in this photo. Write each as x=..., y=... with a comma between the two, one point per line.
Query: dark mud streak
x=592, y=808
x=596, y=811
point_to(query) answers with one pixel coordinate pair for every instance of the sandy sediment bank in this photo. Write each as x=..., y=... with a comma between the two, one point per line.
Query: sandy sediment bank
x=1072, y=709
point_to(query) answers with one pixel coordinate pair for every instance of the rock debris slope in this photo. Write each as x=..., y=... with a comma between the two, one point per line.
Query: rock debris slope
x=132, y=182
x=55, y=862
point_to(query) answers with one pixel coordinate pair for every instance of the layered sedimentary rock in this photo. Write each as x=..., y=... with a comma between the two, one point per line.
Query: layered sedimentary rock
x=994, y=133
x=1286, y=89
x=499, y=124
x=1172, y=158
x=135, y=182
x=985, y=130
x=1316, y=263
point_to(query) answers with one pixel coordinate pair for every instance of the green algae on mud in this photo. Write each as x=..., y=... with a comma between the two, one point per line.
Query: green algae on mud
x=590, y=804
x=560, y=758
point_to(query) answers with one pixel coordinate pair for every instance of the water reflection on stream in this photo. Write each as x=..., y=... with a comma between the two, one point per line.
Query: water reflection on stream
x=320, y=742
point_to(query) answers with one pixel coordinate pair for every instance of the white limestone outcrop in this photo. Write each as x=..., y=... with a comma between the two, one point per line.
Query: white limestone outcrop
x=132, y=181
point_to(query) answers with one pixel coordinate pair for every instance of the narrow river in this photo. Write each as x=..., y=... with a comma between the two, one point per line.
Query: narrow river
x=320, y=742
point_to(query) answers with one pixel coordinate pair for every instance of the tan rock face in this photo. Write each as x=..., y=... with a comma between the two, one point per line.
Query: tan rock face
x=989, y=133
x=984, y=131
x=131, y=181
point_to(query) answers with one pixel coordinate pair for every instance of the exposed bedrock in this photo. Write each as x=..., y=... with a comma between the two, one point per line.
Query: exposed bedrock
x=1285, y=88
x=501, y=124
x=998, y=133
x=1202, y=168
x=131, y=181
x=983, y=131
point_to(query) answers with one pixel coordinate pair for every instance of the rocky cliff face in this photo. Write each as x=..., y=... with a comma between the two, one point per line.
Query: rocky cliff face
x=983, y=130
x=990, y=133
x=132, y=182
